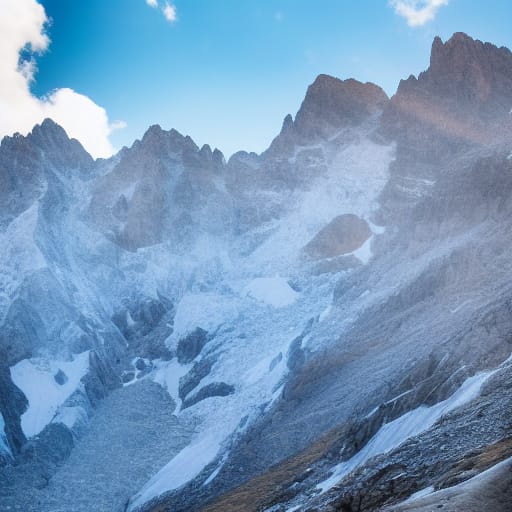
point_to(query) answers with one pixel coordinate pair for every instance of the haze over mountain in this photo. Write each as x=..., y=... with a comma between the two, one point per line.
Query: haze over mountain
x=325, y=326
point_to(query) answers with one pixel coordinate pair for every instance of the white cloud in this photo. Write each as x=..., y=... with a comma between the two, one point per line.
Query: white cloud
x=169, y=11
x=417, y=12
x=22, y=24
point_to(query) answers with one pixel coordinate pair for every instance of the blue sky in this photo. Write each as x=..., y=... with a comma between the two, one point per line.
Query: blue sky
x=226, y=72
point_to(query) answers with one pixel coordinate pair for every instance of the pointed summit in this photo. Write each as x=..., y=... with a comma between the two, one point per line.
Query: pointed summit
x=50, y=139
x=472, y=70
x=463, y=98
x=330, y=105
x=287, y=124
x=159, y=141
x=49, y=133
x=467, y=75
x=334, y=103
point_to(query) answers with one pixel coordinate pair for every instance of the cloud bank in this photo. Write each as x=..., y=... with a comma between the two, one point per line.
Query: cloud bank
x=417, y=12
x=22, y=24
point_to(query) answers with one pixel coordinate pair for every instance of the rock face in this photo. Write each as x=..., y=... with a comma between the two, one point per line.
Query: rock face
x=475, y=76
x=463, y=99
x=13, y=404
x=333, y=103
x=24, y=162
x=157, y=191
x=213, y=389
x=373, y=361
x=330, y=105
x=343, y=235
x=190, y=346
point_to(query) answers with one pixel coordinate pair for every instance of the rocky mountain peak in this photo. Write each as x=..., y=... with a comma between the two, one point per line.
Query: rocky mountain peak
x=26, y=162
x=332, y=103
x=466, y=75
x=482, y=70
x=213, y=158
x=65, y=152
x=463, y=98
x=158, y=141
x=50, y=138
x=49, y=130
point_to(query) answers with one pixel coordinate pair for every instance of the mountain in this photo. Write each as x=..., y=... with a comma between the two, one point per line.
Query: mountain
x=325, y=326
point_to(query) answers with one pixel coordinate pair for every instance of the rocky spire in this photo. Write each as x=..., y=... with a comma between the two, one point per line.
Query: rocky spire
x=334, y=103
x=465, y=75
x=330, y=104
x=464, y=97
x=25, y=161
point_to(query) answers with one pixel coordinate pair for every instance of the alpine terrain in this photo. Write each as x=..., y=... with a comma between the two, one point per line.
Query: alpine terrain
x=326, y=326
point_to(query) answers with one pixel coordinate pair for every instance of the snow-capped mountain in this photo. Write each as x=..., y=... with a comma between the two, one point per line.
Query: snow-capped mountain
x=325, y=326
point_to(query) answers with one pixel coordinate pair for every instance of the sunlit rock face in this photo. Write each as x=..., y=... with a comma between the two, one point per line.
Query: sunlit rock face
x=461, y=101
x=325, y=326
x=330, y=105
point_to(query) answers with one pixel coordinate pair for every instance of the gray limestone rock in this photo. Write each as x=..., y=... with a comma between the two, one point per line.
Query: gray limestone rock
x=208, y=391
x=191, y=345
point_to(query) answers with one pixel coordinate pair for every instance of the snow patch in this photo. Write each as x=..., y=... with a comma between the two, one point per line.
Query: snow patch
x=130, y=322
x=71, y=416
x=364, y=253
x=216, y=471
x=35, y=377
x=420, y=494
x=393, y=434
x=205, y=310
x=274, y=291
x=378, y=230
x=184, y=467
x=167, y=374
x=325, y=313
x=258, y=371
x=479, y=481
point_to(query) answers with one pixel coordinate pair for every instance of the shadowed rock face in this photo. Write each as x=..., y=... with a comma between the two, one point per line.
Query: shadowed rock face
x=13, y=404
x=343, y=235
x=190, y=346
x=210, y=390
x=26, y=161
x=157, y=189
x=488, y=490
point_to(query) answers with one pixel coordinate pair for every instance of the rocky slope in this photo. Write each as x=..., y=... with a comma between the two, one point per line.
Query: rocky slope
x=329, y=323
